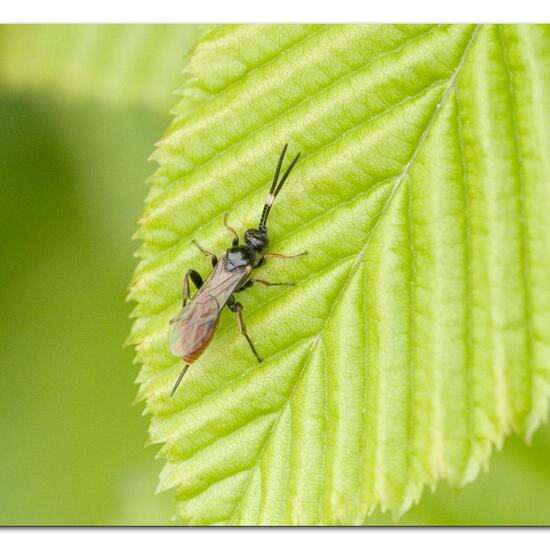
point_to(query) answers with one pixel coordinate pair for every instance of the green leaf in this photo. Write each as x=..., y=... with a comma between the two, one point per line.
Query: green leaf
x=114, y=64
x=419, y=333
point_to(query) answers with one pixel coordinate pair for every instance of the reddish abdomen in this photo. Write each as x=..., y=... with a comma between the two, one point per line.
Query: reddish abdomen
x=195, y=354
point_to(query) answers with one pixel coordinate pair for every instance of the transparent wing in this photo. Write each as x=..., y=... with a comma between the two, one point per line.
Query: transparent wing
x=195, y=324
x=194, y=327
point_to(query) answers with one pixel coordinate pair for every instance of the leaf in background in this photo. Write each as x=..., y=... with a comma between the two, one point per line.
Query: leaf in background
x=418, y=335
x=117, y=64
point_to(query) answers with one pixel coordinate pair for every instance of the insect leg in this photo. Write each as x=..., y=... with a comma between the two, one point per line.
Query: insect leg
x=206, y=253
x=246, y=285
x=264, y=258
x=231, y=230
x=250, y=282
x=180, y=378
x=268, y=283
x=237, y=308
x=197, y=281
x=283, y=256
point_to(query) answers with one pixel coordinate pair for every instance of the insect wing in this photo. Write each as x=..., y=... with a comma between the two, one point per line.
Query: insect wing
x=222, y=283
x=194, y=326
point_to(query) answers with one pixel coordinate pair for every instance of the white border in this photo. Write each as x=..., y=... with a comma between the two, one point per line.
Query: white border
x=273, y=539
x=275, y=11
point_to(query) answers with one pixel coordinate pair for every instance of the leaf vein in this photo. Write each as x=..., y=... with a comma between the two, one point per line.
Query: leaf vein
x=295, y=106
x=525, y=268
x=363, y=251
x=469, y=286
x=216, y=218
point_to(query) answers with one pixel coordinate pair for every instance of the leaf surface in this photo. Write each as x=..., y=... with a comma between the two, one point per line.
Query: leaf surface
x=419, y=333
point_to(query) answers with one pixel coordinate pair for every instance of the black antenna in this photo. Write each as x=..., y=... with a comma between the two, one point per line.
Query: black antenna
x=275, y=189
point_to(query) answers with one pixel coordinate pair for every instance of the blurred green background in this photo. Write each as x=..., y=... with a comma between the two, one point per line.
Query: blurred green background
x=80, y=109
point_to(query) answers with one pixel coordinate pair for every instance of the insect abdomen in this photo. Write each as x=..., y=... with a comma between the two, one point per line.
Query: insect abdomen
x=197, y=352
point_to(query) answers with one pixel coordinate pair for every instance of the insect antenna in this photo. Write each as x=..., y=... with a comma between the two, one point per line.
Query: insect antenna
x=276, y=187
x=180, y=377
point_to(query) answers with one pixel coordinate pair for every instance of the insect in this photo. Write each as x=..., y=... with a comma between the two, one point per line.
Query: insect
x=195, y=325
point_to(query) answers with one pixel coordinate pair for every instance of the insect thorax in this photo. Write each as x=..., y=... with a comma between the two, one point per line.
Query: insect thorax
x=239, y=256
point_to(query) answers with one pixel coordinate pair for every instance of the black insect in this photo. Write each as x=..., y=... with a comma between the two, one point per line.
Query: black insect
x=194, y=326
